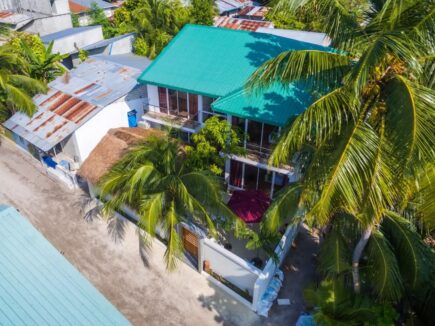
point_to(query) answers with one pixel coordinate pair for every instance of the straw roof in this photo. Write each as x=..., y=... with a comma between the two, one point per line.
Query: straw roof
x=114, y=145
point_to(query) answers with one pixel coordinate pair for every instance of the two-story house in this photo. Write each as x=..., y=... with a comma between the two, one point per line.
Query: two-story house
x=202, y=73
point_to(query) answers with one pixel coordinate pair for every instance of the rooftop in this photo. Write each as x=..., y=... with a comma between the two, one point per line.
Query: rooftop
x=241, y=24
x=76, y=97
x=274, y=106
x=111, y=149
x=38, y=286
x=226, y=6
x=303, y=36
x=217, y=62
x=214, y=61
x=67, y=32
x=77, y=6
x=257, y=12
x=15, y=19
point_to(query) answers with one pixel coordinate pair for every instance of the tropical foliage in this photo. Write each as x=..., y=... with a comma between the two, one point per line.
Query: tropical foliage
x=372, y=137
x=46, y=66
x=212, y=145
x=154, y=21
x=16, y=86
x=202, y=12
x=154, y=180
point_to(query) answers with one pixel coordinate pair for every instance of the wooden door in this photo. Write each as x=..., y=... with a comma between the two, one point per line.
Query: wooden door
x=190, y=242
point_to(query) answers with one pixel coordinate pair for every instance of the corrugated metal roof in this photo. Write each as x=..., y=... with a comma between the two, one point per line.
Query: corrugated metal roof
x=274, y=106
x=228, y=5
x=106, y=42
x=38, y=286
x=256, y=12
x=215, y=61
x=241, y=24
x=84, y=5
x=13, y=18
x=73, y=99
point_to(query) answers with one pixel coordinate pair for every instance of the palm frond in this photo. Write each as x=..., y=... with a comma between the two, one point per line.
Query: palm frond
x=20, y=100
x=151, y=211
x=283, y=208
x=410, y=119
x=384, y=273
x=345, y=173
x=174, y=247
x=318, y=69
x=416, y=261
x=334, y=255
x=323, y=119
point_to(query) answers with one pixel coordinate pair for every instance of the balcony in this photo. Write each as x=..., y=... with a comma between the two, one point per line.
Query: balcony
x=175, y=121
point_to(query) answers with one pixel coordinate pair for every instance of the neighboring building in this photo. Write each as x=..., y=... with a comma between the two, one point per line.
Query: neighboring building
x=69, y=41
x=38, y=286
x=303, y=36
x=230, y=7
x=241, y=24
x=253, y=13
x=78, y=110
x=82, y=7
x=36, y=16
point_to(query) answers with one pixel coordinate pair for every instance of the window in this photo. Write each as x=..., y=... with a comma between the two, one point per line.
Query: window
x=163, y=100
x=182, y=104
x=193, y=106
x=173, y=101
x=236, y=170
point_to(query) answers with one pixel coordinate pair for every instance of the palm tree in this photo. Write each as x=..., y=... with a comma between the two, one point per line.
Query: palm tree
x=156, y=22
x=371, y=133
x=16, y=87
x=154, y=180
x=45, y=67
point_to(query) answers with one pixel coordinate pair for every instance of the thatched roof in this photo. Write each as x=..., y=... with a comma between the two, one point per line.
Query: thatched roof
x=111, y=149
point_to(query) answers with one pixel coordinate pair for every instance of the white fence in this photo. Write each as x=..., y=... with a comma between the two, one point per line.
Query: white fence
x=229, y=266
x=270, y=269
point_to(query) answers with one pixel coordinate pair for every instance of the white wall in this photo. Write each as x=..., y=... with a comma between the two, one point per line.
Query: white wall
x=229, y=266
x=153, y=98
x=90, y=134
x=66, y=44
x=122, y=46
x=269, y=270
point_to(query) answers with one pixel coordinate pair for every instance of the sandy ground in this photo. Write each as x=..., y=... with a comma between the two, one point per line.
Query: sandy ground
x=135, y=281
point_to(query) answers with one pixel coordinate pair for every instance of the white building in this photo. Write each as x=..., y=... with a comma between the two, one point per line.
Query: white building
x=78, y=110
x=36, y=16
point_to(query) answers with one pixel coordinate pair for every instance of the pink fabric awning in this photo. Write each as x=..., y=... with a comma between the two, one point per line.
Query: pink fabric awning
x=249, y=205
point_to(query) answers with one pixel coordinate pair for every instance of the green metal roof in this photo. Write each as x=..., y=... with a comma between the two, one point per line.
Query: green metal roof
x=275, y=105
x=38, y=286
x=214, y=61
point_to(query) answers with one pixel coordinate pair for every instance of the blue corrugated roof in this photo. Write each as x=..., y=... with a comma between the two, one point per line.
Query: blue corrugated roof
x=38, y=286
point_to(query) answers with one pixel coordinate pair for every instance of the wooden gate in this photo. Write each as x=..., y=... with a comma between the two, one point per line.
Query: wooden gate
x=190, y=243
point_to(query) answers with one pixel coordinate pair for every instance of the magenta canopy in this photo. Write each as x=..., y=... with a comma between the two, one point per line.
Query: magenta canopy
x=249, y=205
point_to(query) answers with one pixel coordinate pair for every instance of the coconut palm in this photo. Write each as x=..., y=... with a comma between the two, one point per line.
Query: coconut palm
x=156, y=22
x=45, y=67
x=371, y=132
x=16, y=87
x=154, y=180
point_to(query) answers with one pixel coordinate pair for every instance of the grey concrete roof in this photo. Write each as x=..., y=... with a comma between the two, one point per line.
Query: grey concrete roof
x=106, y=42
x=67, y=32
x=75, y=98
x=303, y=36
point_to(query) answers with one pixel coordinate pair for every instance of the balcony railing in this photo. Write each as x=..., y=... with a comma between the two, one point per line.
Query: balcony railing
x=172, y=120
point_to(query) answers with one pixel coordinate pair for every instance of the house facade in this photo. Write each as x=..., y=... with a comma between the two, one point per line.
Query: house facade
x=202, y=73
x=77, y=111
